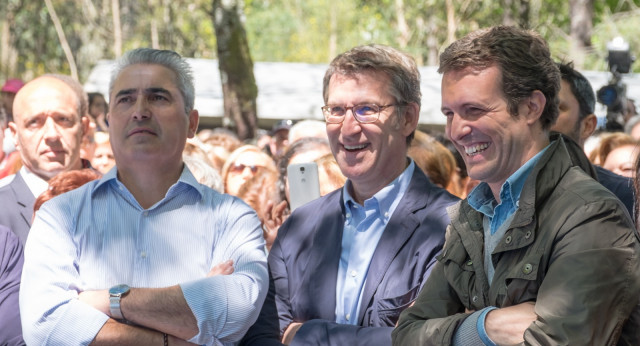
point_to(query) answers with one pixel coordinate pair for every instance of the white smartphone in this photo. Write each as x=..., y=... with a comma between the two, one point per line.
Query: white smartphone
x=304, y=185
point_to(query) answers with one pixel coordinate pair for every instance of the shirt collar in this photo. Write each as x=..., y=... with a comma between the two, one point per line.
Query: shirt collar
x=35, y=184
x=186, y=177
x=388, y=197
x=481, y=198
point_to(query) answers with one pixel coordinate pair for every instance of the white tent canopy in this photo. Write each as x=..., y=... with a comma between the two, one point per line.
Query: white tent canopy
x=294, y=90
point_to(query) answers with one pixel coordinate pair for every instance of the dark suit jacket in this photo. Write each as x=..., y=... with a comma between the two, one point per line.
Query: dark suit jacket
x=304, y=261
x=17, y=207
x=11, y=260
x=621, y=186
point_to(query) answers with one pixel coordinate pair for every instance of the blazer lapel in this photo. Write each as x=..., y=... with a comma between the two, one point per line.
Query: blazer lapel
x=25, y=200
x=322, y=268
x=399, y=229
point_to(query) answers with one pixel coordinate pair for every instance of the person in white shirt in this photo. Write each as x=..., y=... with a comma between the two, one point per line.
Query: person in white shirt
x=49, y=120
x=134, y=258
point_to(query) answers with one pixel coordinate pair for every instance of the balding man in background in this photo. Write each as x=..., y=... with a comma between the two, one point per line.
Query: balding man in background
x=48, y=124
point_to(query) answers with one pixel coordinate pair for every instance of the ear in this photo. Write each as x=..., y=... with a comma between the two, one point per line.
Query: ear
x=588, y=126
x=533, y=106
x=14, y=133
x=409, y=122
x=194, y=118
x=85, y=123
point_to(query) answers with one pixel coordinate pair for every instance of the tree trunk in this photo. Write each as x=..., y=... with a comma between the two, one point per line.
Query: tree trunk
x=117, y=28
x=581, y=14
x=507, y=13
x=153, y=26
x=432, y=41
x=333, y=32
x=523, y=14
x=451, y=22
x=63, y=39
x=403, y=28
x=8, y=54
x=236, y=68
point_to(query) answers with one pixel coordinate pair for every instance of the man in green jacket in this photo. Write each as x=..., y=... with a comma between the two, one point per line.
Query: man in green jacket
x=539, y=252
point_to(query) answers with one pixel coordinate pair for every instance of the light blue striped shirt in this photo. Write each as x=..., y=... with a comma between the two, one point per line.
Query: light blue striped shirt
x=98, y=236
x=363, y=228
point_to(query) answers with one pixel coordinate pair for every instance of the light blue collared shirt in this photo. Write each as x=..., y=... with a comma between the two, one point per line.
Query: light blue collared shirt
x=98, y=236
x=363, y=228
x=481, y=198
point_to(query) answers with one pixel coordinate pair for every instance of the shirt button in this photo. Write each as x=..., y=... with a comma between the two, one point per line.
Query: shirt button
x=347, y=317
x=143, y=254
x=527, y=268
x=527, y=235
x=474, y=299
x=469, y=262
x=386, y=214
x=146, y=213
x=354, y=273
x=348, y=215
x=508, y=240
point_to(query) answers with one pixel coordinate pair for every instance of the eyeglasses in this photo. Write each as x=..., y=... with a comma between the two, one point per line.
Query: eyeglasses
x=363, y=113
x=239, y=168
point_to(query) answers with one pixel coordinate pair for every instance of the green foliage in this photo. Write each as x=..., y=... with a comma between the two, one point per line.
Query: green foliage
x=287, y=30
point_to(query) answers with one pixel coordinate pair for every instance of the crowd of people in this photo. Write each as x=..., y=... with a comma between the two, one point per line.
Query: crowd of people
x=122, y=223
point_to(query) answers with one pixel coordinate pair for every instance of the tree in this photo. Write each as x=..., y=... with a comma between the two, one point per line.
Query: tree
x=236, y=68
x=580, y=12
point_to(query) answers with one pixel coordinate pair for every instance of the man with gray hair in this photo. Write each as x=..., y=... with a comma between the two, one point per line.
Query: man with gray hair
x=145, y=255
x=345, y=265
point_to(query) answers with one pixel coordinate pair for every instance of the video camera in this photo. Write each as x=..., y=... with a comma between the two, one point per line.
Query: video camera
x=614, y=94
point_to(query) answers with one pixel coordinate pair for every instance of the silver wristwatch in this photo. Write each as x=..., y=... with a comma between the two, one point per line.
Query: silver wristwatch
x=115, y=294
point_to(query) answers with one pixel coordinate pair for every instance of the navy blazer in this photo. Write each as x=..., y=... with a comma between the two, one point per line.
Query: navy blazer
x=304, y=261
x=17, y=207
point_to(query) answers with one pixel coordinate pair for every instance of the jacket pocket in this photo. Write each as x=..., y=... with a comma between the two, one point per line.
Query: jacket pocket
x=459, y=272
x=389, y=309
x=522, y=281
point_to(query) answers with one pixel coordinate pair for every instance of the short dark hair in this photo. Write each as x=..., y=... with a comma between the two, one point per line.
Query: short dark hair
x=95, y=95
x=523, y=58
x=580, y=88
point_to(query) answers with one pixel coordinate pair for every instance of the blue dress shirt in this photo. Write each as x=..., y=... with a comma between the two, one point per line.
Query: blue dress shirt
x=98, y=236
x=363, y=228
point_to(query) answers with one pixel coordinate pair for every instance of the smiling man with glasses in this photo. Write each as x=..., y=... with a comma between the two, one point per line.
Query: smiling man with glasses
x=345, y=265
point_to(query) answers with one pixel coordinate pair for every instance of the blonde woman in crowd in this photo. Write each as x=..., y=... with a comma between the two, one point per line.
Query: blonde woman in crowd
x=242, y=164
x=221, y=143
x=435, y=160
x=329, y=174
x=608, y=142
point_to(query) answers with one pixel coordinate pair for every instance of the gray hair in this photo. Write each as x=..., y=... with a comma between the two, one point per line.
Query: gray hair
x=203, y=172
x=631, y=123
x=166, y=58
